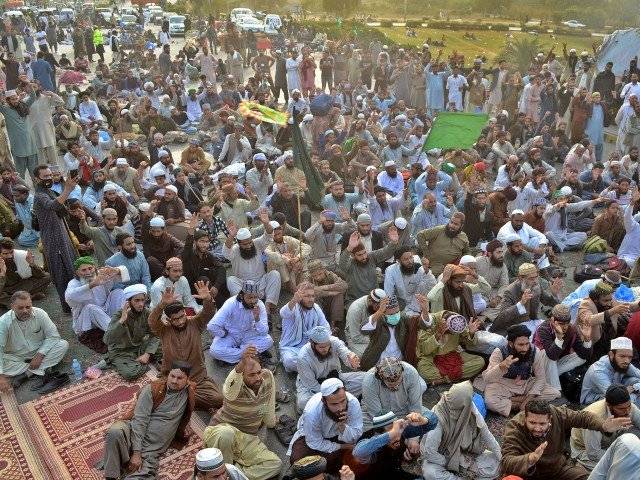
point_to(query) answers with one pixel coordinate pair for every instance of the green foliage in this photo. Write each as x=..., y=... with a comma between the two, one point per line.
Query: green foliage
x=520, y=51
x=494, y=7
x=340, y=7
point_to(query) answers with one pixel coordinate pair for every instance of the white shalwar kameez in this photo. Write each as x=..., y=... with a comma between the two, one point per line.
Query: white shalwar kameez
x=454, y=85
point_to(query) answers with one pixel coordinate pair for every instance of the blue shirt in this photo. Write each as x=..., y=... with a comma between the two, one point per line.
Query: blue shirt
x=42, y=73
x=137, y=266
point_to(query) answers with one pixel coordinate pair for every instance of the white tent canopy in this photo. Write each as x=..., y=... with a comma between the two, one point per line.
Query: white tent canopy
x=619, y=47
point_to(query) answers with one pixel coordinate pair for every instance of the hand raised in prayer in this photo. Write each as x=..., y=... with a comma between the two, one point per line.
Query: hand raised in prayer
x=125, y=313
x=585, y=332
x=193, y=223
x=507, y=362
x=354, y=240
x=168, y=296
x=526, y=296
x=3, y=267
x=382, y=307
x=202, y=290
x=232, y=227
x=613, y=424
x=556, y=286
x=256, y=313
x=446, y=272
x=354, y=360
x=423, y=302
x=619, y=309
x=264, y=215
x=346, y=473
x=474, y=325
x=537, y=454
x=29, y=258
x=344, y=214
x=393, y=235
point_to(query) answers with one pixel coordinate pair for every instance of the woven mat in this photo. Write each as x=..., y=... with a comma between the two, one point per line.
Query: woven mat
x=67, y=428
x=19, y=460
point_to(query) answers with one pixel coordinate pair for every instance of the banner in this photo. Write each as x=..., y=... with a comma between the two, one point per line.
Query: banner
x=315, y=185
x=455, y=130
x=262, y=113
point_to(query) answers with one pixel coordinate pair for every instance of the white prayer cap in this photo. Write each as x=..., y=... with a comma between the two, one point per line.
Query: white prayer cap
x=389, y=163
x=10, y=93
x=384, y=420
x=401, y=118
x=162, y=153
x=369, y=168
x=621, y=343
x=511, y=237
x=360, y=116
x=329, y=132
x=157, y=222
x=171, y=188
x=124, y=111
x=287, y=154
x=148, y=85
x=295, y=90
x=319, y=334
x=122, y=161
x=364, y=218
x=157, y=171
x=517, y=211
x=425, y=45
x=614, y=163
x=385, y=47
x=123, y=142
x=260, y=157
x=584, y=53
x=307, y=118
x=144, y=207
x=274, y=224
x=109, y=212
x=467, y=259
x=573, y=50
x=330, y=386
x=243, y=234
x=109, y=187
x=358, y=98
x=251, y=287
x=209, y=459
x=400, y=223
x=566, y=191
x=133, y=290
x=377, y=295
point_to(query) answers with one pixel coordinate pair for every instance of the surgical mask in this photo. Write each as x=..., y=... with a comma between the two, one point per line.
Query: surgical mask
x=394, y=319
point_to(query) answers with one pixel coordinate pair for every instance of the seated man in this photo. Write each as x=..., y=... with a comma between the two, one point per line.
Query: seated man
x=589, y=446
x=440, y=354
x=294, y=255
x=130, y=343
x=19, y=272
x=158, y=420
x=299, y=317
x=573, y=300
x=200, y=264
x=329, y=291
x=522, y=299
x=564, y=345
x=404, y=277
x=613, y=368
x=461, y=445
x=247, y=263
x=174, y=279
x=359, y=268
x=210, y=465
x=158, y=246
x=92, y=295
x=180, y=337
x=358, y=315
x=323, y=236
x=444, y=244
x=515, y=255
x=391, y=386
x=238, y=428
x=330, y=426
x=104, y=236
x=322, y=358
x=240, y=322
x=492, y=268
x=533, y=445
x=132, y=259
x=171, y=208
x=389, y=330
x=515, y=374
x=30, y=345
x=532, y=240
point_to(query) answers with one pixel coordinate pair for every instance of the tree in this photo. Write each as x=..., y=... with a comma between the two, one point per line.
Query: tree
x=520, y=51
x=491, y=6
x=340, y=7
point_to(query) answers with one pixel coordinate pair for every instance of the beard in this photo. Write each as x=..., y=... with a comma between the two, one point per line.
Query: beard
x=320, y=356
x=495, y=262
x=535, y=289
x=454, y=291
x=410, y=270
x=88, y=279
x=338, y=197
x=617, y=367
x=520, y=356
x=46, y=183
x=334, y=416
x=11, y=264
x=392, y=175
x=129, y=254
x=248, y=253
x=518, y=228
x=450, y=232
x=327, y=228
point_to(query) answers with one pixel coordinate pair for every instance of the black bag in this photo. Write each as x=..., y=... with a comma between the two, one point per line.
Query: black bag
x=587, y=272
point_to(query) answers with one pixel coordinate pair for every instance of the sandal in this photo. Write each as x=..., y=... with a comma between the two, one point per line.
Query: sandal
x=285, y=428
x=283, y=396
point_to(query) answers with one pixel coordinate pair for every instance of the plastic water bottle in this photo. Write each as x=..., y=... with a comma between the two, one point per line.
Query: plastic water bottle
x=77, y=369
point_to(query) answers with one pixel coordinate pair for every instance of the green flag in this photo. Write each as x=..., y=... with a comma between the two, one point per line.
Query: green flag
x=455, y=130
x=315, y=185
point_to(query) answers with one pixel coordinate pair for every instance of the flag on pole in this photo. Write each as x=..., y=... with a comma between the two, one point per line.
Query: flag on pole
x=455, y=130
x=262, y=113
x=315, y=184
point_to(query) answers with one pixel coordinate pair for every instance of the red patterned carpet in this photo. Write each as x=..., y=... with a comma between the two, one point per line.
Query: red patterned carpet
x=18, y=459
x=68, y=426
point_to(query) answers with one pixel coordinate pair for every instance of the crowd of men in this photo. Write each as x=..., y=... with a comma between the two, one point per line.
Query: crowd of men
x=416, y=269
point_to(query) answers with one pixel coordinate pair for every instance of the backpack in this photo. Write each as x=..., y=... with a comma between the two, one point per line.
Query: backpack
x=595, y=244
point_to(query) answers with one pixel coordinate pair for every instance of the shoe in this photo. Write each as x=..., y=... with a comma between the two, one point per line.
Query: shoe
x=55, y=383
x=19, y=380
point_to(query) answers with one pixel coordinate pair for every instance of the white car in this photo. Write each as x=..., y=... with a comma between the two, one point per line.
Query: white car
x=236, y=12
x=176, y=25
x=573, y=24
x=249, y=24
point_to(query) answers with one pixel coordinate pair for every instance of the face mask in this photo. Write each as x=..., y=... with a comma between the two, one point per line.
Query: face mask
x=394, y=319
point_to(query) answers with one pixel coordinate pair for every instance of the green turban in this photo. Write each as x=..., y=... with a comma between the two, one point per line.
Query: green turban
x=84, y=261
